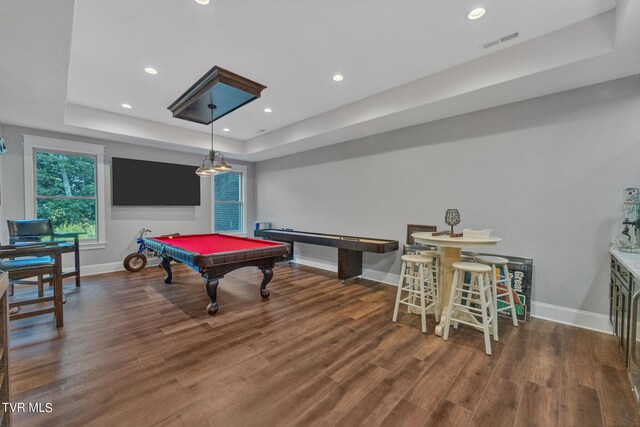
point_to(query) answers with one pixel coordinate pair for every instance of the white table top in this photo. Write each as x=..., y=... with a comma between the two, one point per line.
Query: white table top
x=453, y=242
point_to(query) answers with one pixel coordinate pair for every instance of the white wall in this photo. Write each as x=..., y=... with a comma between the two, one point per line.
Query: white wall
x=546, y=174
x=122, y=222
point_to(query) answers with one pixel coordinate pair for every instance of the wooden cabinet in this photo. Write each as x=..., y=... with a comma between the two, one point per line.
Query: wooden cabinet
x=613, y=306
x=5, y=419
x=620, y=291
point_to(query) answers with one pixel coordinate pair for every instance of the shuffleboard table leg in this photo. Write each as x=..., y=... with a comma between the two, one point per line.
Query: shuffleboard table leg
x=268, y=275
x=212, y=290
x=166, y=264
x=349, y=264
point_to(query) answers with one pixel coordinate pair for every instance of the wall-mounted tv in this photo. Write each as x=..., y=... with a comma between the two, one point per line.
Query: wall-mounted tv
x=143, y=183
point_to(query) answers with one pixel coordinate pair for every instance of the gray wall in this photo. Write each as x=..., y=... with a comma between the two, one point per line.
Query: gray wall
x=122, y=222
x=546, y=174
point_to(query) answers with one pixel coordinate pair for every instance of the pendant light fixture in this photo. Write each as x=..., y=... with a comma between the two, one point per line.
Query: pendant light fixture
x=212, y=167
x=231, y=91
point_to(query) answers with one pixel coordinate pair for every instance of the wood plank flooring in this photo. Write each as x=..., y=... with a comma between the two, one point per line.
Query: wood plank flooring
x=135, y=351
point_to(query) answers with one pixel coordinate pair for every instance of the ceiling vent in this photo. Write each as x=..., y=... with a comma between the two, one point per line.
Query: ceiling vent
x=500, y=40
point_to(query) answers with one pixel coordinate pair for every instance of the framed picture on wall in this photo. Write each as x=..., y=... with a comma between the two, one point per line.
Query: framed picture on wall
x=416, y=228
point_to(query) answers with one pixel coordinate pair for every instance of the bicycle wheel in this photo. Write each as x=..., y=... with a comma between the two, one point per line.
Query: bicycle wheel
x=135, y=262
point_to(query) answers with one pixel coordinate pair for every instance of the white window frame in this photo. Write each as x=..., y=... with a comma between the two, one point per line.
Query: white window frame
x=242, y=169
x=32, y=144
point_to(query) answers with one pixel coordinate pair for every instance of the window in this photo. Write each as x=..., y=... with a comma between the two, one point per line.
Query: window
x=64, y=182
x=66, y=191
x=228, y=202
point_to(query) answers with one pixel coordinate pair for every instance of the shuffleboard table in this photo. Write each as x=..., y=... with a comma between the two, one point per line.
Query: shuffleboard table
x=214, y=255
x=350, y=248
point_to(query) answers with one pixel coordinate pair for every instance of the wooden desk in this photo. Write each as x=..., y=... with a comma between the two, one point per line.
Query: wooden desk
x=350, y=248
x=450, y=252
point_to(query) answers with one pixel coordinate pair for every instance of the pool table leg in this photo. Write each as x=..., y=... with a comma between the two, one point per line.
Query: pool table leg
x=212, y=290
x=166, y=264
x=268, y=275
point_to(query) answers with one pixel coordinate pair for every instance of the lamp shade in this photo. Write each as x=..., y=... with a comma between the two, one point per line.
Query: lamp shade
x=210, y=169
x=222, y=166
x=201, y=171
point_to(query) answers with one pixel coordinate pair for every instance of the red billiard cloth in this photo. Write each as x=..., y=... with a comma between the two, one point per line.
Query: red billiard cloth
x=204, y=244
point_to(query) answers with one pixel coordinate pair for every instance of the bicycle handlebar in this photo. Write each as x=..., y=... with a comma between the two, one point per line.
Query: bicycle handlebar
x=142, y=232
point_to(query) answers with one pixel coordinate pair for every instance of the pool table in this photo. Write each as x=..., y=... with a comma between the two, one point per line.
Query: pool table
x=214, y=255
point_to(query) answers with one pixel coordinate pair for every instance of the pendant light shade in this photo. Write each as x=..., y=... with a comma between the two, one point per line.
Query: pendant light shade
x=210, y=169
x=222, y=166
x=201, y=171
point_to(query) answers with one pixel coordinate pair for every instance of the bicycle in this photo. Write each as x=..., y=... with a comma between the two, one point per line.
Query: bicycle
x=136, y=261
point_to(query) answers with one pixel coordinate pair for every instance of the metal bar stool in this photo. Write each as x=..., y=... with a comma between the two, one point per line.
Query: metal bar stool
x=501, y=286
x=477, y=310
x=416, y=279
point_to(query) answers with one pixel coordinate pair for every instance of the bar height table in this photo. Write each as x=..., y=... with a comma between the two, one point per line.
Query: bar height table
x=450, y=252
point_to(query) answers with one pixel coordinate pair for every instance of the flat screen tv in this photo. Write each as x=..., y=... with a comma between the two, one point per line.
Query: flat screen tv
x=142, y=183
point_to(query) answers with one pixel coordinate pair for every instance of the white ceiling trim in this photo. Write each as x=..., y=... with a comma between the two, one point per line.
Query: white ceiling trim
x=129, y=129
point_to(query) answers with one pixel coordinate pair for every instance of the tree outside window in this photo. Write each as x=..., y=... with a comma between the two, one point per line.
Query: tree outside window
x=65, y=192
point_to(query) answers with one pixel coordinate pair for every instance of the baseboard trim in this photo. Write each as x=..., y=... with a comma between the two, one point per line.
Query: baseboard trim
x=555, y=313
x=317, y=264
x=109, y=267
x=377, y=276
x=570, y=316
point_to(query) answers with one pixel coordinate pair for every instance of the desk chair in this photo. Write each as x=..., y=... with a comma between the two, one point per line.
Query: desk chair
x=39, y=230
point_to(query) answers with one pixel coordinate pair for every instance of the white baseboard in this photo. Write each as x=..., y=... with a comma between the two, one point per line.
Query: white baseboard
x=109, y=267
x=571, y=316
x=378, y=276
x=555, y=313
x=317, y=264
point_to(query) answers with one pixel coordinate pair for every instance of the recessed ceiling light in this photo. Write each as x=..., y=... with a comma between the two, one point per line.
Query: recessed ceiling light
x=202, y=1
x=476, y=13
x=337, y=78
x=125, y=106
x=150, y=70
x=224, y=129
x=267, y=110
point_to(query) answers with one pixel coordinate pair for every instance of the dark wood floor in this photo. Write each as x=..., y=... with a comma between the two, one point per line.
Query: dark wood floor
x=134, y=351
